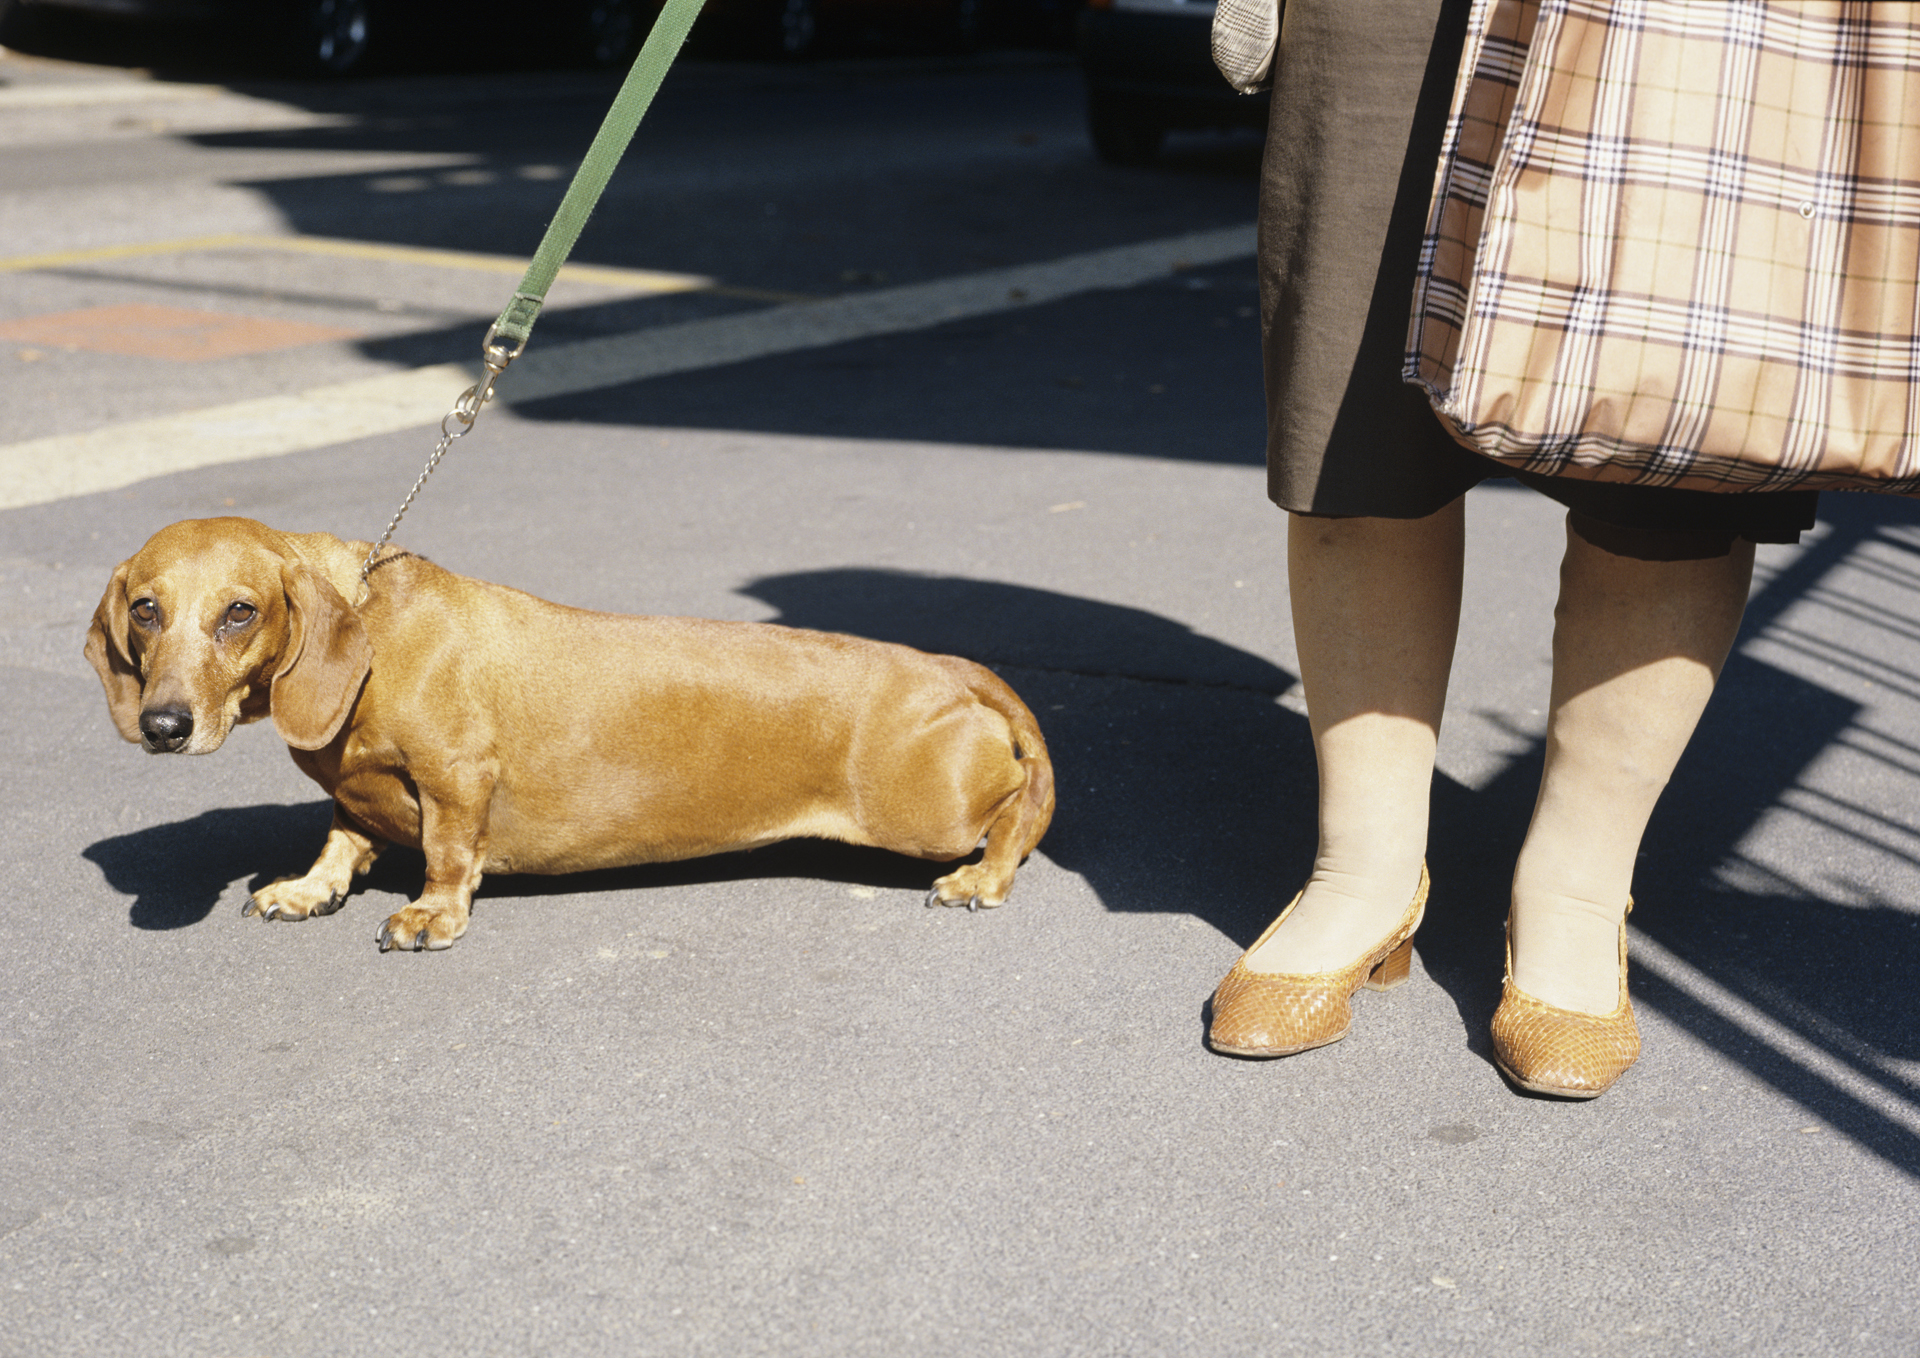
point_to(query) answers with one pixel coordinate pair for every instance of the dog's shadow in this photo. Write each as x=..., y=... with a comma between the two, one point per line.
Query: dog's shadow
x=1167, y=746
x=1171, y=751
x=177, y=873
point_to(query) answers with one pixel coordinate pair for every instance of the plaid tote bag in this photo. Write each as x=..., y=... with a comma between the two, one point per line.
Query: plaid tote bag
x=1678, y=244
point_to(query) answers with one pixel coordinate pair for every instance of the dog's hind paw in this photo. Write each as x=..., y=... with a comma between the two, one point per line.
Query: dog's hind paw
x=967, y=887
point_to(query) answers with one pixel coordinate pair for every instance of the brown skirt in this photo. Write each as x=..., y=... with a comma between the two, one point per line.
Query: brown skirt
x=1361, y=91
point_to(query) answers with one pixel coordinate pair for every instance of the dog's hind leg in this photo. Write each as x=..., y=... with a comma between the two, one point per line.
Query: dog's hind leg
x=983, y=885
x=347, y=854
x=1016, y=825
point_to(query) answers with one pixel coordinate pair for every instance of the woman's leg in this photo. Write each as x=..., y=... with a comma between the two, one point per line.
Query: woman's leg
x=1637, y=646
x=1376, y=606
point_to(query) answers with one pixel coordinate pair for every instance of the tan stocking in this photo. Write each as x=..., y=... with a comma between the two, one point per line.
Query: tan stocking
x=1376, y=605
x=1637, y=646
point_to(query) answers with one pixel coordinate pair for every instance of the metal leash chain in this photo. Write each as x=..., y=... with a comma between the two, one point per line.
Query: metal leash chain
x=456, y=423
x=516, y=321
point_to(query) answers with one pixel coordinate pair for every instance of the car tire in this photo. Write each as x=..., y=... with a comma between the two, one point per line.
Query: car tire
x=796, y=32
x=331, y=37
x=1122, y=135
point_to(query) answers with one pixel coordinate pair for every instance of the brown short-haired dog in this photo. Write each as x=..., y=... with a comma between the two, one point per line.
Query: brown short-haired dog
x=501, y=733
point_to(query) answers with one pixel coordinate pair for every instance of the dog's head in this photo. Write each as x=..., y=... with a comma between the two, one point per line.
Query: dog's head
x=219, y=621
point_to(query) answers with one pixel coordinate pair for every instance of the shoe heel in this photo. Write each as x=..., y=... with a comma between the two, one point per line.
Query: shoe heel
x=1392, y=969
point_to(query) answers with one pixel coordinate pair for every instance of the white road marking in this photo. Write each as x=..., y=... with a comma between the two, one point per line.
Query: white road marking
x=43, y=470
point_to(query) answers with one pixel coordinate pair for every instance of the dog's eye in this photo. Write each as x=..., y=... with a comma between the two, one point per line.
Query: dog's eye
x=145, y=612
x=240, y=614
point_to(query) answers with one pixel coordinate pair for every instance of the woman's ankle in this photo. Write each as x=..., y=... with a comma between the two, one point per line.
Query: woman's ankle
x=1339, y=918
x=1566, y=951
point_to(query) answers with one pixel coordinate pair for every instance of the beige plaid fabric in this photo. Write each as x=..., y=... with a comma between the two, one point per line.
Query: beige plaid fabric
x=1678, y=244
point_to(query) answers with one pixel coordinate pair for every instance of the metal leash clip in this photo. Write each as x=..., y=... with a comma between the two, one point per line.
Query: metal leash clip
x=456, y=423
x=669, y=33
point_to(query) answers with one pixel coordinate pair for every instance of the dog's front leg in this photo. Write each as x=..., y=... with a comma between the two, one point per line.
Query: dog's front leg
x=453, y=835
x=348, y=853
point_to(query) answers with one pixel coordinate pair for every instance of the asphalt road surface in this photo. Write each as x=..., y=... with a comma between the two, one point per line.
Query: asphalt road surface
x=876, y=346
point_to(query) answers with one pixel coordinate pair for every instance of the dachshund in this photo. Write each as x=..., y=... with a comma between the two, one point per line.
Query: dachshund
x=497, y=732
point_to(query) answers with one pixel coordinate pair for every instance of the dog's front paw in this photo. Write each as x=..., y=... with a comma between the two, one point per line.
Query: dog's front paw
x=295, y=898
x=419, y=929
x=972, y=886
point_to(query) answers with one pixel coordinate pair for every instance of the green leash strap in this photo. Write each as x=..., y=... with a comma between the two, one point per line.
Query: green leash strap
x=507, y=337
x=609, y=144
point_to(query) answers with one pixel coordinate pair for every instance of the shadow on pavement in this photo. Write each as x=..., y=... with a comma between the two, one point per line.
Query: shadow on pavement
x=1185, y=787
x=1167, y=745
x=785, y=182
x=1072, y=375
x=176, y=873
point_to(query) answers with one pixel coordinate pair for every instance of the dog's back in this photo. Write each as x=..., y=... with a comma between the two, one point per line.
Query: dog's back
x=621, y=739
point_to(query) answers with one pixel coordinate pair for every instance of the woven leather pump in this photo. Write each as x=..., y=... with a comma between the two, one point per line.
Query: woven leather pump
x=1562, y=1051
x=1265, y=1013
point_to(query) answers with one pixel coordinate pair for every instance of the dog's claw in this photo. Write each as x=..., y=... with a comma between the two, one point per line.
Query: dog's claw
x=973, y=905
x=933, y=898
x=249, y=907
x=384, y=938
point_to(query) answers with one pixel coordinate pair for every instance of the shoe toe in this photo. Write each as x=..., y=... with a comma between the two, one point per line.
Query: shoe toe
x=1560, y=1052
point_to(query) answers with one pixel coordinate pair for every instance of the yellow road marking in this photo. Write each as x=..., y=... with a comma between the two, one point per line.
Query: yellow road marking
x=473, y=261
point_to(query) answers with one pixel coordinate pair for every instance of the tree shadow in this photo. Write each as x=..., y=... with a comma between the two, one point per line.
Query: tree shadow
x=1071, y=375
x=798, y=210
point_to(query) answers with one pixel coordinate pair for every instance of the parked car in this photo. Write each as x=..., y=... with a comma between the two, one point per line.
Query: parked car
x=1149, y=70
x=799, y=29
x=344, y=37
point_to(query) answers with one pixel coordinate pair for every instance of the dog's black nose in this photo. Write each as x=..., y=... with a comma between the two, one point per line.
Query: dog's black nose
x=165, y=729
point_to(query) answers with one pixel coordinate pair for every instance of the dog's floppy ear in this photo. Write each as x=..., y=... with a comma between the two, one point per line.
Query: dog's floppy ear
x=112, y=658
x=325, y=662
